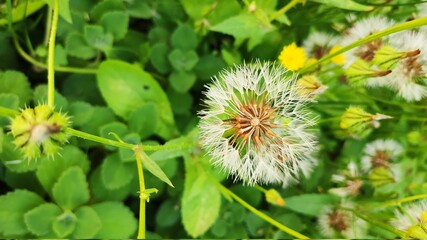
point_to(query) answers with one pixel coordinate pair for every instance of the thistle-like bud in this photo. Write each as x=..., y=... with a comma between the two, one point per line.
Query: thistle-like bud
x=272, y=196
x=359, y=122
x=39, y=130
x=310, y=85
x=360, y=71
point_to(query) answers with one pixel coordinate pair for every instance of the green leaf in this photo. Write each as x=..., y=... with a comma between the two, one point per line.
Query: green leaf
x=242, y=27
x=184, y=38
x=115, y=23
x=104, y=7
x=182, y=81
x=127, y=155
x=152, y=167
x=40, y=96
x=115, y=173
x=76, y=46
x=17, y=83
x=71, y=190
x=183, y=60
x=22, y=10
x=60, y=56
x=12, y=159
x=49, y=171
x=138, y=9
x=64, y=224
x=208, y=66
x=181, y=103
x=100, y=191
x=117, y=220
x=9, y=100
x=168, y=213
x=81, y=112
x=126, y=87
x=144, y=120
x=64, y=9
x=201, y=200
x=345, y=4
x=88, y=223
x=250, y=194
x=13, y=206
x=113, y=127
x=96, y=37
x=159, y=57
x=40, y=219
x=309, y=204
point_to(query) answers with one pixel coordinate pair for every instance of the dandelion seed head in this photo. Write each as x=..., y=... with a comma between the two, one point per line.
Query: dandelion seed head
x=255, y=125
x=413, y=220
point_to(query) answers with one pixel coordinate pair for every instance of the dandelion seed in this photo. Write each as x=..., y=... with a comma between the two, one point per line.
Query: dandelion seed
x=255, y=125
x=350, y=177
x=333, y=222
x=318, y=44
x=413, y=220
x=358, y=122
x=380, y=153
x=293, y=57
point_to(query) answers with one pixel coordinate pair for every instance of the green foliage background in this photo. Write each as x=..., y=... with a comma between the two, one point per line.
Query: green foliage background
x=138, y=68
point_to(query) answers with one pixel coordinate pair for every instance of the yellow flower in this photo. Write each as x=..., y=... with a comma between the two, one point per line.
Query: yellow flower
x=293, y=57
x=340, y=58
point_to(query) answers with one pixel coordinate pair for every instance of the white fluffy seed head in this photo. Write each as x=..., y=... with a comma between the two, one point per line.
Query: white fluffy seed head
x=380, y=152
x=413, y=214
x=279, y=146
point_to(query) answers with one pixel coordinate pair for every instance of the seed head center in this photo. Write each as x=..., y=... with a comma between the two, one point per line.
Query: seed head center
x=255, y=121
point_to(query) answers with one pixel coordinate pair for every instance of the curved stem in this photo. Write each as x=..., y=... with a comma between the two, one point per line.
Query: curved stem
x=261, y=214
x=284, y=9
x=142, y=198
x=397, y=28
x=397, y=202
x=51, y=57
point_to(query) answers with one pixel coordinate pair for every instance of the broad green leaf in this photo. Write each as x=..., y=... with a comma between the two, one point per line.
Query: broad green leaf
x=60, y=56
x=181, y=103
x=39, y=220
x=12, y=159
x=309, y=204
x=23, y=9
x=115, y=173
x=144, y=120
x=183, y=60
x=159, y=57
x=182, y=81
x=199, y=10
x=208, y=66
x=71, y=190
x=115, y=23
x=117, y=220
x=184, y=38
x=101, y=193
x=9, y=100
x=77, y=46
x=201, y=200
x=80, y=112
x=81, y=87
x=64, y=9
x=64, y=224
x=139, y=9
x=242, y=27
x=13, y=206
x=345, y=4
x=159, y=34
x=126, y=87
x=49, y=171
x=16, y=83
x=250, y=194
x=104, y=7
x=88, y=223
x=168, y=213
x=151, y=166
x=101, y=116
x=97, y=38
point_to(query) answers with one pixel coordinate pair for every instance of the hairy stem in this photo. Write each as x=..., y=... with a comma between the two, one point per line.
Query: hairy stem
x=51, y=57
x=261, y=214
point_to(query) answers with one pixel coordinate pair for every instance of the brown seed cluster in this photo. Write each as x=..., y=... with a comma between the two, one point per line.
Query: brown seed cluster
x=338, y=220
x=380, y=159
x=367, y=51
x=253, y=123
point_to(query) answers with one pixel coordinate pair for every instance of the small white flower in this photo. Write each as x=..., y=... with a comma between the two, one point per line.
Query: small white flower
x=361, y=29
x=380, y=153
x=350, y=177
x=338, y=223
x=413, y=220
x=255, y=125
x=409, y=77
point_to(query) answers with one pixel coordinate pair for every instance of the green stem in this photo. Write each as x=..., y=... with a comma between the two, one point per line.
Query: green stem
x=94, y=138
x=142, y=198
x=51, y=57
x=261, y=214
x=376, y=223
x=8, y=112
x=397, y=202
x=397, y=28
x=284, y=9
x=33, y=61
